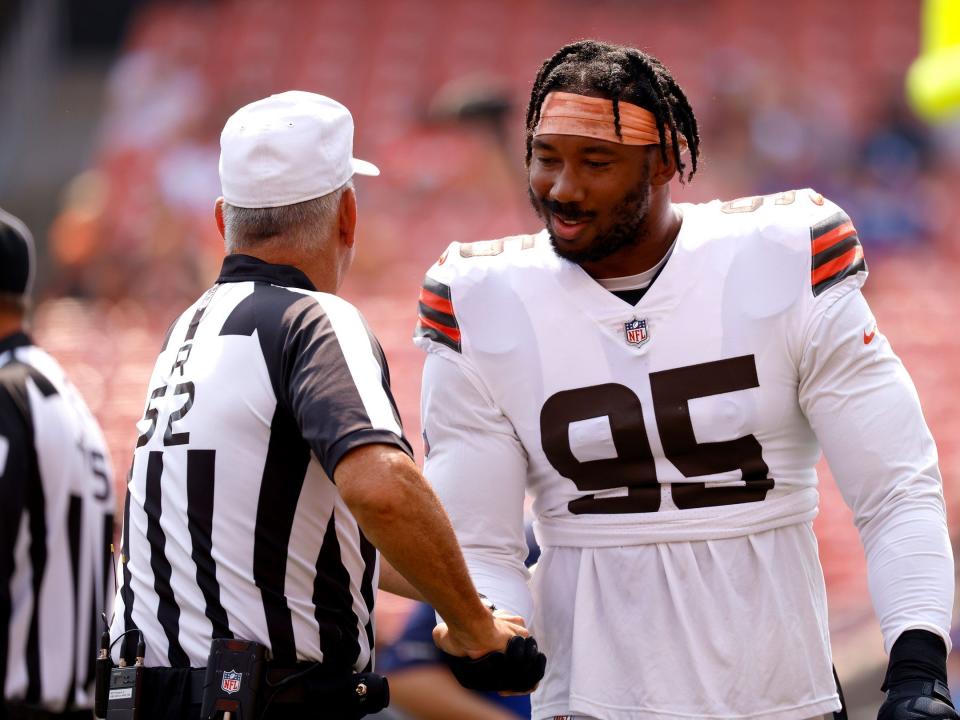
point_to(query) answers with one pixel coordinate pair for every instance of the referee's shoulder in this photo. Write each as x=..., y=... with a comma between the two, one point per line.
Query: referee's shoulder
x=33, y=363
x=282, y=314
x=340, y=312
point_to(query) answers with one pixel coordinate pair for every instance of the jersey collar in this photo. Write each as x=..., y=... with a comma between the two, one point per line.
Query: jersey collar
x=14, y=341
x=664, y=293
x=244, y=268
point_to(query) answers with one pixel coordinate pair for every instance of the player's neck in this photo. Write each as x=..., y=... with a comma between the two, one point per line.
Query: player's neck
x=663, y=224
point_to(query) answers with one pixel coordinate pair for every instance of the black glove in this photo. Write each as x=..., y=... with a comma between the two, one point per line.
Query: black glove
x=917, y=699
x=518, y=669
x=916, y=681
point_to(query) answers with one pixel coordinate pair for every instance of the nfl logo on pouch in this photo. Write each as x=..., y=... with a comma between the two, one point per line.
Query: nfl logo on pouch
x=231, y=681
x=636, y=332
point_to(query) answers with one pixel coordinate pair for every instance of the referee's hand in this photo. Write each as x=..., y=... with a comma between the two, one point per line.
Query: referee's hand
x=473, y=646
x=510, y=663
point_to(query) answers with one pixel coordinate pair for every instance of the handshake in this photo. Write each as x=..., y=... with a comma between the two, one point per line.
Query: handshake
x=517, y=669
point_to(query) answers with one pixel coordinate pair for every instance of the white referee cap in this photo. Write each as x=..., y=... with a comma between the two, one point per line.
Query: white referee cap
x=287, y=148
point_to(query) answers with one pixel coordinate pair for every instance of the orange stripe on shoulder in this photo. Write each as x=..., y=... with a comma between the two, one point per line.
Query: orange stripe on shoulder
x=828, y=269
x=432, y=300
x=831, y=238
x=452, y=333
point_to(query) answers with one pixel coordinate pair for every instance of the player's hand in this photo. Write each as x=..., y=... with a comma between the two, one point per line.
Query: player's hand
x=516, y=666
x=918, y=700
x=516, y=670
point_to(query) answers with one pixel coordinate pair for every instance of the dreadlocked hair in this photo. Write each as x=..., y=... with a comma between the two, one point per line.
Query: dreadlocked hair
x=591, y=67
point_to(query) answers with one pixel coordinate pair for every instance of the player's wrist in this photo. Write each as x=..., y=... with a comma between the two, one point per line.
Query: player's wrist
x=916, y=655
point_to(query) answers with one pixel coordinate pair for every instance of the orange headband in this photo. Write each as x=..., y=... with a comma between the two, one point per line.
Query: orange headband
x=571, y=114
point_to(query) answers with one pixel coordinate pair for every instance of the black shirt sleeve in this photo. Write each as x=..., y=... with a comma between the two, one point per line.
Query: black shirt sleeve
x=338, y=386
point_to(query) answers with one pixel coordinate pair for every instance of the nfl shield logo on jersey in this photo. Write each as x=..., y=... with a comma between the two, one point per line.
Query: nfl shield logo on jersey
x=636, y=332
x=231, y=681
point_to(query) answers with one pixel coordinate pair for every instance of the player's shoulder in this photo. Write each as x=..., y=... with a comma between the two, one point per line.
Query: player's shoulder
x=783, y=216
x=468, y=269
x=467, y=263
x=813, y=232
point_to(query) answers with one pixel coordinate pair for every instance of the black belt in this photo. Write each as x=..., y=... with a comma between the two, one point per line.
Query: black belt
x=16, y=711
x=340, y=691
x=278, y=688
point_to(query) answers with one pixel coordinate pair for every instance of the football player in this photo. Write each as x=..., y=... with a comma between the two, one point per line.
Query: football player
x=661, y=378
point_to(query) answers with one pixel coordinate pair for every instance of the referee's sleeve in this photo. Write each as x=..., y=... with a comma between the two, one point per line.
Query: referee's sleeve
x=14, y=444
x=338, y=384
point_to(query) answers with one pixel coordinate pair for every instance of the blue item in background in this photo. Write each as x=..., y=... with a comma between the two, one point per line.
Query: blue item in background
x=415, y=647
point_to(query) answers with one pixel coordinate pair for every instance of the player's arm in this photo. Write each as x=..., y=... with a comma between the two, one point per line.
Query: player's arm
x=865, y=411
x=478, y=467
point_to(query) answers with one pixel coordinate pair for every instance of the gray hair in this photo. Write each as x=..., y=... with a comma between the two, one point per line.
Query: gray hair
x=300, y=225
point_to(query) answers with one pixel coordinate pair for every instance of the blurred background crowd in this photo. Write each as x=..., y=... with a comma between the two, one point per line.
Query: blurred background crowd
x=109, y=144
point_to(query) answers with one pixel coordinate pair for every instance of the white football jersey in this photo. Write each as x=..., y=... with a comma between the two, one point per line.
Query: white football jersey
x=669, y=448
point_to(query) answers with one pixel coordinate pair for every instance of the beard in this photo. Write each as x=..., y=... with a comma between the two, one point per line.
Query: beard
x=628, y=221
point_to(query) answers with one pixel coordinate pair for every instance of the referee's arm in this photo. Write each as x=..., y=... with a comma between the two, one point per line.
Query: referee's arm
x=397, y=509
x=392, y=581
x=338, y=386
x=14, y=441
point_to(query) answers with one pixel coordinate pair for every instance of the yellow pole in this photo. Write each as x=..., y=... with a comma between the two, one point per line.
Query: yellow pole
x=933, y=80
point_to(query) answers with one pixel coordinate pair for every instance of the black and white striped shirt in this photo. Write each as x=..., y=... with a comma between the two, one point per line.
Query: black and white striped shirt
x=56, y=526
x=233, y=526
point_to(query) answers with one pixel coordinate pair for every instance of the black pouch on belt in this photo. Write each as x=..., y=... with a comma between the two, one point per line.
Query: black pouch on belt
x=364, y=694
x=234, y=674
x=347, y=696
x=353, y=697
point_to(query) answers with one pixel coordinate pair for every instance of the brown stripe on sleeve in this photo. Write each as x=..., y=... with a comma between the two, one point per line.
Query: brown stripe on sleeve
x=836, y=252
x=436, y=318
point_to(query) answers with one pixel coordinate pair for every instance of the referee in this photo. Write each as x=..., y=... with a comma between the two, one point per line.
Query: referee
x=56, y=514
x=270, y=465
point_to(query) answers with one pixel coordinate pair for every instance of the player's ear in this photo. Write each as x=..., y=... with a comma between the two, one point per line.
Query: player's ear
x=348, y=217
x=218, y=214
x=661, y=171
